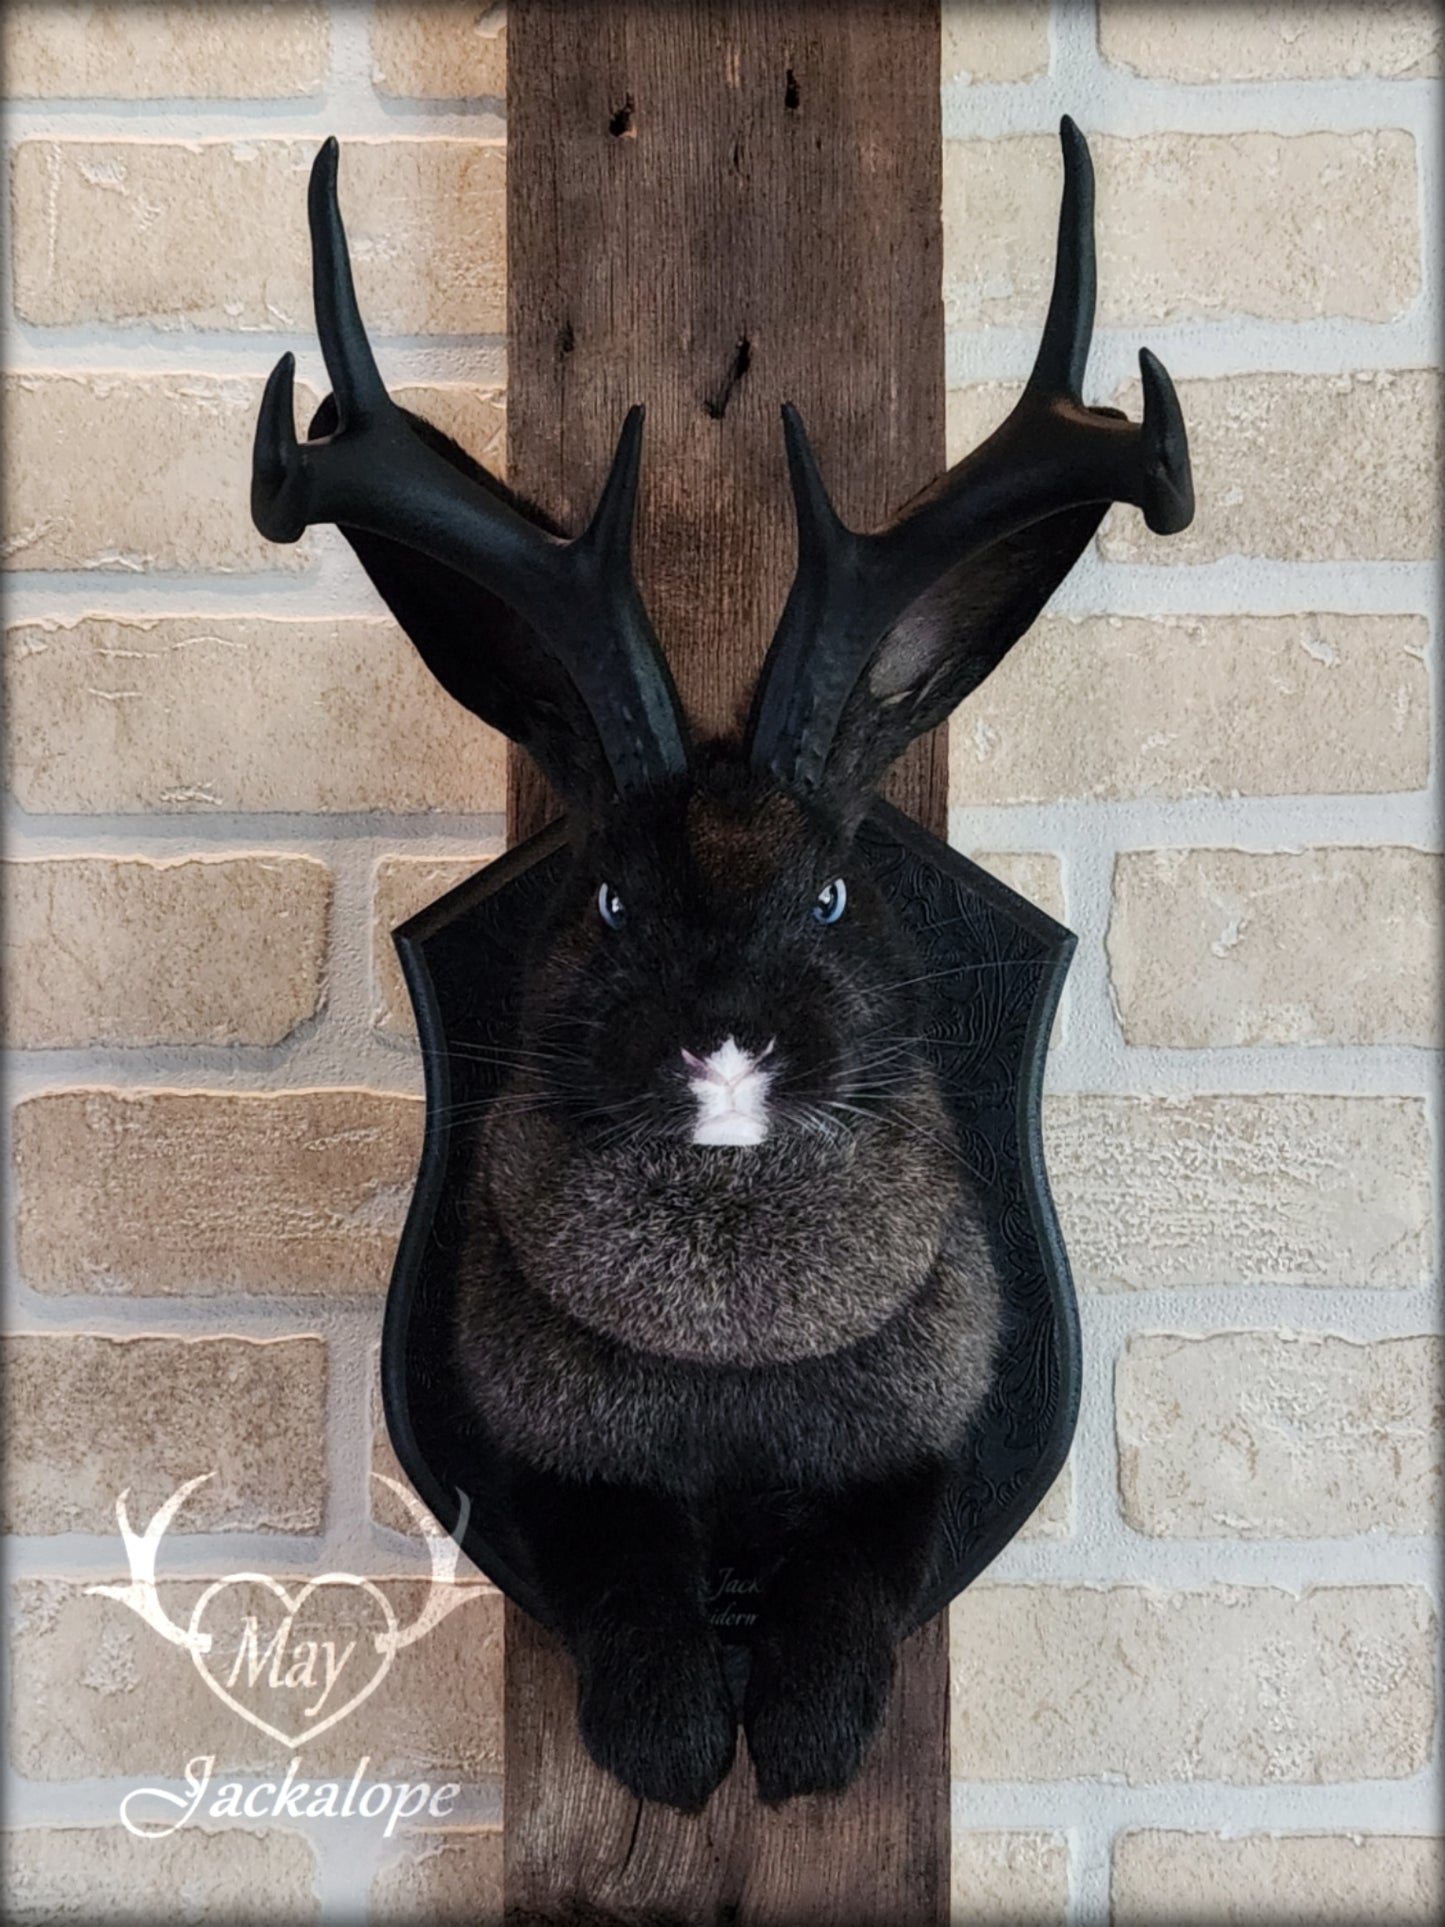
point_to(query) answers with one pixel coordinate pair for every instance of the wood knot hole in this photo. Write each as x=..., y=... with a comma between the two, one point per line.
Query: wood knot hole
x=742, y=359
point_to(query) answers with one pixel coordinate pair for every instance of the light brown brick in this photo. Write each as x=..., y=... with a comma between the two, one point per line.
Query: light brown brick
x=1302, y=468
x=1171, y=706
x=194, y=950
x=983, y=41
x=449, y=51
x=162, y=52
x=1275, y=227
x=92, y=1417
x=103, y=1875
x=1215, y=40
x=1320, y=946
x=1279, y=1435
x=404, y=886
x=1054, y=1516
x=212, y=233
x=450, y=1876
x=1245, y=1684
x=1168, y=1879
x=475, y=417
x=110, y=713
x=99, y=1692
x=191, y=1193
x=386, y=1508
x=1273, y=1189
x=1009, y=1879
x=136, y=473
x=1035, y=874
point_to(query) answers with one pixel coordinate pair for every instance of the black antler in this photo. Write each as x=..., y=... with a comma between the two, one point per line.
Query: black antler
x=376, y=474
x=1022, y=500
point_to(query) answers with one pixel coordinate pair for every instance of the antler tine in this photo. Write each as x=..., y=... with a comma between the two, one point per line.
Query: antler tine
x=355, y=379
x=376, y=475
x=278, y=483
x=801, y=680
x=818, y=520
x=1169, y=482
x=609, y=533
x=1051, y=456
x=279, y=468
x=1063, y=352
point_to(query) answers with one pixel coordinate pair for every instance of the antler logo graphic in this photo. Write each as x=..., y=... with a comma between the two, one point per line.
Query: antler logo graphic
x=270, y=1657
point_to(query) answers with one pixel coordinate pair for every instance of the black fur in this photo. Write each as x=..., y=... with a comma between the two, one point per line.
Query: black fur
x=663, y=1333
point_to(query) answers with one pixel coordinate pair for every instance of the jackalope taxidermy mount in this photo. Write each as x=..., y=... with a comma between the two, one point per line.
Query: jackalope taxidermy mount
x=725, y=1249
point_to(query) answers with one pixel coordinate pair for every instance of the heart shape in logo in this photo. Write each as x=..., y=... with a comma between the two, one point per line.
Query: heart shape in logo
x=270, y=1653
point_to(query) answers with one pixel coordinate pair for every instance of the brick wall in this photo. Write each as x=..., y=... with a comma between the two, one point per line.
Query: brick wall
x=1209, y=1667
x=1207, y=1689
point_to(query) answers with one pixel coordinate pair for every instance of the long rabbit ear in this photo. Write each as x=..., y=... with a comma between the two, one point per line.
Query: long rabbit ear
x=478, y=648
x=545, y=638
x=884, y=634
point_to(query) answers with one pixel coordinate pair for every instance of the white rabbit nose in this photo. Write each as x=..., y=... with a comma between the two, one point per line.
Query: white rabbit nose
x=731, y=1094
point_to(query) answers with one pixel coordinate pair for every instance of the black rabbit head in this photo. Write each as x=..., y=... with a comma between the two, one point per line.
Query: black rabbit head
x=718, y=968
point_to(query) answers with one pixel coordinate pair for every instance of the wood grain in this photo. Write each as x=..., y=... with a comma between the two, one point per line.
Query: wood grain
x=577, y=1848
x=714, y=208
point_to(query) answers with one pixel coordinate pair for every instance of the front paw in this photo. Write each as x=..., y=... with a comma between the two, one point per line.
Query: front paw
x=812, y=1709
x=658, y=1715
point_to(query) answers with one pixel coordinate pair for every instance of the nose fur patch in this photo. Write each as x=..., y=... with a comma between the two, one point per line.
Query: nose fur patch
x=731, y=1093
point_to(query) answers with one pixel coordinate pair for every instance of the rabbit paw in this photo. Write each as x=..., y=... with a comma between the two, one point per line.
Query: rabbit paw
x=659, y=1717
x=810, y=1713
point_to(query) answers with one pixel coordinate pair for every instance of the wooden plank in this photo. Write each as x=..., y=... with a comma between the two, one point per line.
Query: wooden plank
x=578, y=1849
x=713, y=208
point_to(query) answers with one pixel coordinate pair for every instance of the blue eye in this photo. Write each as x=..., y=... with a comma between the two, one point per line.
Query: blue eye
x=832, y=900
x=611, y=907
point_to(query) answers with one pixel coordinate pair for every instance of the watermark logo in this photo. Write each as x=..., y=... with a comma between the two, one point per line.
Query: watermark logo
x=729, y=1585
x=293, y=1663
x=288, y=1799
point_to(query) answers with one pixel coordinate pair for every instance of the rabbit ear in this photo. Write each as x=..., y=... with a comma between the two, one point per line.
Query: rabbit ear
x=883, y=634
x=478, y=648
x=944, y=645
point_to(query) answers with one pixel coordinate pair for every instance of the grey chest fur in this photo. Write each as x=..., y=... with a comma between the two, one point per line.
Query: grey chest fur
x=807, y=1309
